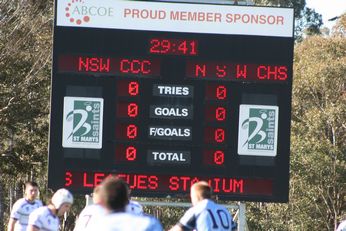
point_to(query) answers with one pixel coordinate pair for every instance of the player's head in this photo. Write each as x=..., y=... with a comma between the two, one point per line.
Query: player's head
x=62, y=201
x=115, y=193
x=31, y=190
x=200, y=191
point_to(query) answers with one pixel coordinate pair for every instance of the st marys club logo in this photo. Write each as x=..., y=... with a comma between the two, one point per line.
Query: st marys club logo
x=82, y=122
x=258, y=128
x=81, y=12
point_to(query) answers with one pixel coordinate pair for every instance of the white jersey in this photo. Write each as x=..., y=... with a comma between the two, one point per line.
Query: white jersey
x=342, y=226
x=123, y=221
x=21, y=211
x=134, y=207
x=43, y=219
x=88, y=215
x=207, y=215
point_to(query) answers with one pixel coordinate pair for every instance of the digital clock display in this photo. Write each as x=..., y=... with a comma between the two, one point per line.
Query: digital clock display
x=173, y=46
x=164, y=106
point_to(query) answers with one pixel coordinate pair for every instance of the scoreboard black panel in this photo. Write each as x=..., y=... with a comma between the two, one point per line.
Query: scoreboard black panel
x=164, y=109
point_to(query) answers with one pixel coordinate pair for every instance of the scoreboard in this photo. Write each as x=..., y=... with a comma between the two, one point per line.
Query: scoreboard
x=165, y=94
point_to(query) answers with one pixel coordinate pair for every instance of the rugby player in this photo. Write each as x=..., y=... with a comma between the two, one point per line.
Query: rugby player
x=23, y=207
x=204, y=214
x=47, y=217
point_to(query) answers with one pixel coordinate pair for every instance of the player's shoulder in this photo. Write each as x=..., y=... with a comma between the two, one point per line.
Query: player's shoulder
x=93, y=209
x=38, y=202
x=134, y=207
x=135, y=203
x=142, y=222
x=202, y=205
x=207, y=204
x=342, y=226
x=41, y=210
x=212, y=204
x=20, y=202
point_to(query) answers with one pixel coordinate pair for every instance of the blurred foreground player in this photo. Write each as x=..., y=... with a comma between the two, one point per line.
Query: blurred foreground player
x=205, y=213
x=47, y=217
x=23, y=207
x=115, y=194
x=91, y=212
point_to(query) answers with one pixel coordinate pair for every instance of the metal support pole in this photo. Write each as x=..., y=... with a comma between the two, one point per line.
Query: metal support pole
x=242, y=226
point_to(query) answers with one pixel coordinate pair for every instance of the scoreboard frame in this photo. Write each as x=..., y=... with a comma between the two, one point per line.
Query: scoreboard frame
x=166, y=105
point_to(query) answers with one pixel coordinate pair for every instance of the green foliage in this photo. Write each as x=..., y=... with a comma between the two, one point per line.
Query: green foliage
x=298, y=5
x=24, y=83
x=340, y=27
x=319, y=129
x=25, y=44
x=307, y=21
x=318, y=148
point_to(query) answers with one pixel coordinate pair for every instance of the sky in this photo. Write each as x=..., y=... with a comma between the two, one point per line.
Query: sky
x=328, y=9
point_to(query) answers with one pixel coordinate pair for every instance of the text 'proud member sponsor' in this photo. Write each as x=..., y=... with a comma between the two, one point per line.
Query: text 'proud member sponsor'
x=170, y=133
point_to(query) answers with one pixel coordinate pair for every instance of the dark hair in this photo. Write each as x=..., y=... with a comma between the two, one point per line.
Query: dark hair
x=115, y=192
x=31, y=183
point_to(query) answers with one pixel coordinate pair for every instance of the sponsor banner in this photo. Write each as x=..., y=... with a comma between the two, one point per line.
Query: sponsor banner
x=82, y=123
x=258, y=130
x=176, y=17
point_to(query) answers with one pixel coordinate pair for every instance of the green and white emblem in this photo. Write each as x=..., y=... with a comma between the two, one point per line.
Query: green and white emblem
x=258, y=130
x=82, y=122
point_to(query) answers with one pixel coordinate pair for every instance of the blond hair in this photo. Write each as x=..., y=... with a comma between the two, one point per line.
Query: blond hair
x=203, y=189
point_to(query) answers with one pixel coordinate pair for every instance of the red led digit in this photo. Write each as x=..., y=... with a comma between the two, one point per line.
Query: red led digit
x=193, y=45
x=131, y=153
x=127, y=88
x=182, y=47
x=133, y=88
x=131, y=131
x=214, y=135
x=220, y=114
x=219, y=157
x=155, y=46
x=126, y=153
x=219, y=135
x=165, y=45
x=221, y=92
x=215, y=158
x=132, y=110
x=216, y=113
x=126, y=109
x=216, y=92
x=68, y=179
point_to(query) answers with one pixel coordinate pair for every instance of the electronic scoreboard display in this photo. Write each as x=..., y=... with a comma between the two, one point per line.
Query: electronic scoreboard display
x=165, y=94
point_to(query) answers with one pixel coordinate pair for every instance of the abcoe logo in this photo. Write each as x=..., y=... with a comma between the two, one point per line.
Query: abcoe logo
x=77, y=11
